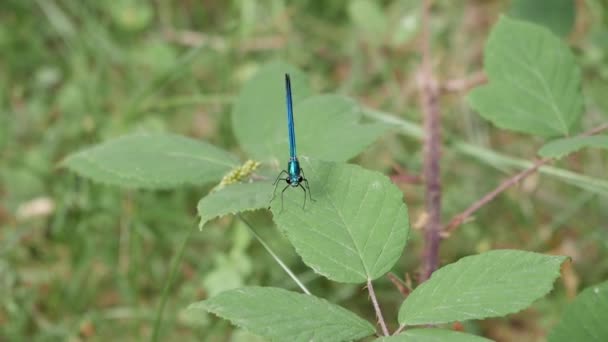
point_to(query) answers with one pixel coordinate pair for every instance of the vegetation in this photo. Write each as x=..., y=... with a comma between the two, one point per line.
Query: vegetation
x=139, y=141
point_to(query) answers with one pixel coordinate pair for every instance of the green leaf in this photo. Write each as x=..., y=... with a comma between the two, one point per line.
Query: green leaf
x=556, y=15
x=585, y=319
x=260, y=121
x=286, y=316
x=151, y=161
x=491, y=284
x=354, y=231
x=234, y=199
x=432, y=335
x=258, y=116
x=534, y=81
x=327, y=119
x=562, y=147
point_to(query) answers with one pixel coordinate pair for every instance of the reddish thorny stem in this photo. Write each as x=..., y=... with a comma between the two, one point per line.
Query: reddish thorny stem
x=429, y=100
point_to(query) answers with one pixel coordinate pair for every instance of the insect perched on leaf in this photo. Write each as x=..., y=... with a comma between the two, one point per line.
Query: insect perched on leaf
x=294, y=173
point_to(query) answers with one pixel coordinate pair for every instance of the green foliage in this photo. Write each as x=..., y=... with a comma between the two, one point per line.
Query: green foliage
x=556, y=15
x=286, y=316
x=368, y=18
x=234, y=199
x=258, y=115
x=75, y=73
x=562, y=147
x=491, y=284
x=231, y=269
x=330, y=118
x=151, y=161
x=354, y=231
x=431, y=335
x=534, y=81
x=585, y=319
x=259, y=119
x=131, y=15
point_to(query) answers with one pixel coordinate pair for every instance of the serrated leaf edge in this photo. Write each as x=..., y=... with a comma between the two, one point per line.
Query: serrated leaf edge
x=543, y=293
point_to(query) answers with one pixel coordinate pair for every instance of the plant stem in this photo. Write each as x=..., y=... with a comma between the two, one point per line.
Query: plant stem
x=165, y=295
x=464, y=84
x=429, y=99
x=401, y=327
x=372, y=295
x=462, y=217
x=274, y=256
x=490, y=157
x=399, y=284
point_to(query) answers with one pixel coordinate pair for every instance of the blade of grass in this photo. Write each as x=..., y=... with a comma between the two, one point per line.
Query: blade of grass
x=165, y=295
x=160, y=81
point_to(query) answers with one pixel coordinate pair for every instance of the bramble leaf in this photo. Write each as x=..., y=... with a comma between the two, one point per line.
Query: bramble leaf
x=556, y=15
x=260, y=122
x=562, y=147
x=354, y=231
x=491, y=284
x=286, y=316
x=234, y=199
x=432, y=335
x=258, y=115
x=585, y=319
x=152, y=161
x=327, y=119
x=534, y=81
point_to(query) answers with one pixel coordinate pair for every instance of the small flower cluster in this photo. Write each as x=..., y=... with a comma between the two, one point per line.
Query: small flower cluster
x=238, y=174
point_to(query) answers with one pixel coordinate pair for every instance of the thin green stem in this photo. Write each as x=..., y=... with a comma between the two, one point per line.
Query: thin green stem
x=274, y=256
x=165, y=295
x=487, y=156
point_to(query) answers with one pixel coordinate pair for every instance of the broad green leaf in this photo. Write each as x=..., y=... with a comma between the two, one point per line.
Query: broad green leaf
x=585, y=319
x=534, y=81
x=562, y=147
x=260, y=120
x=556, y=15
x=151, y=161
x=491, y=284
x=432, y=335
x=327, y=119
x=259, y=115
x=286, y=316
x=234, y=199
x=354, y=231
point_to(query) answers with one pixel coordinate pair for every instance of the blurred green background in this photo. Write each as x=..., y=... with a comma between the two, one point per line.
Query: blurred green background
x=82, y=261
